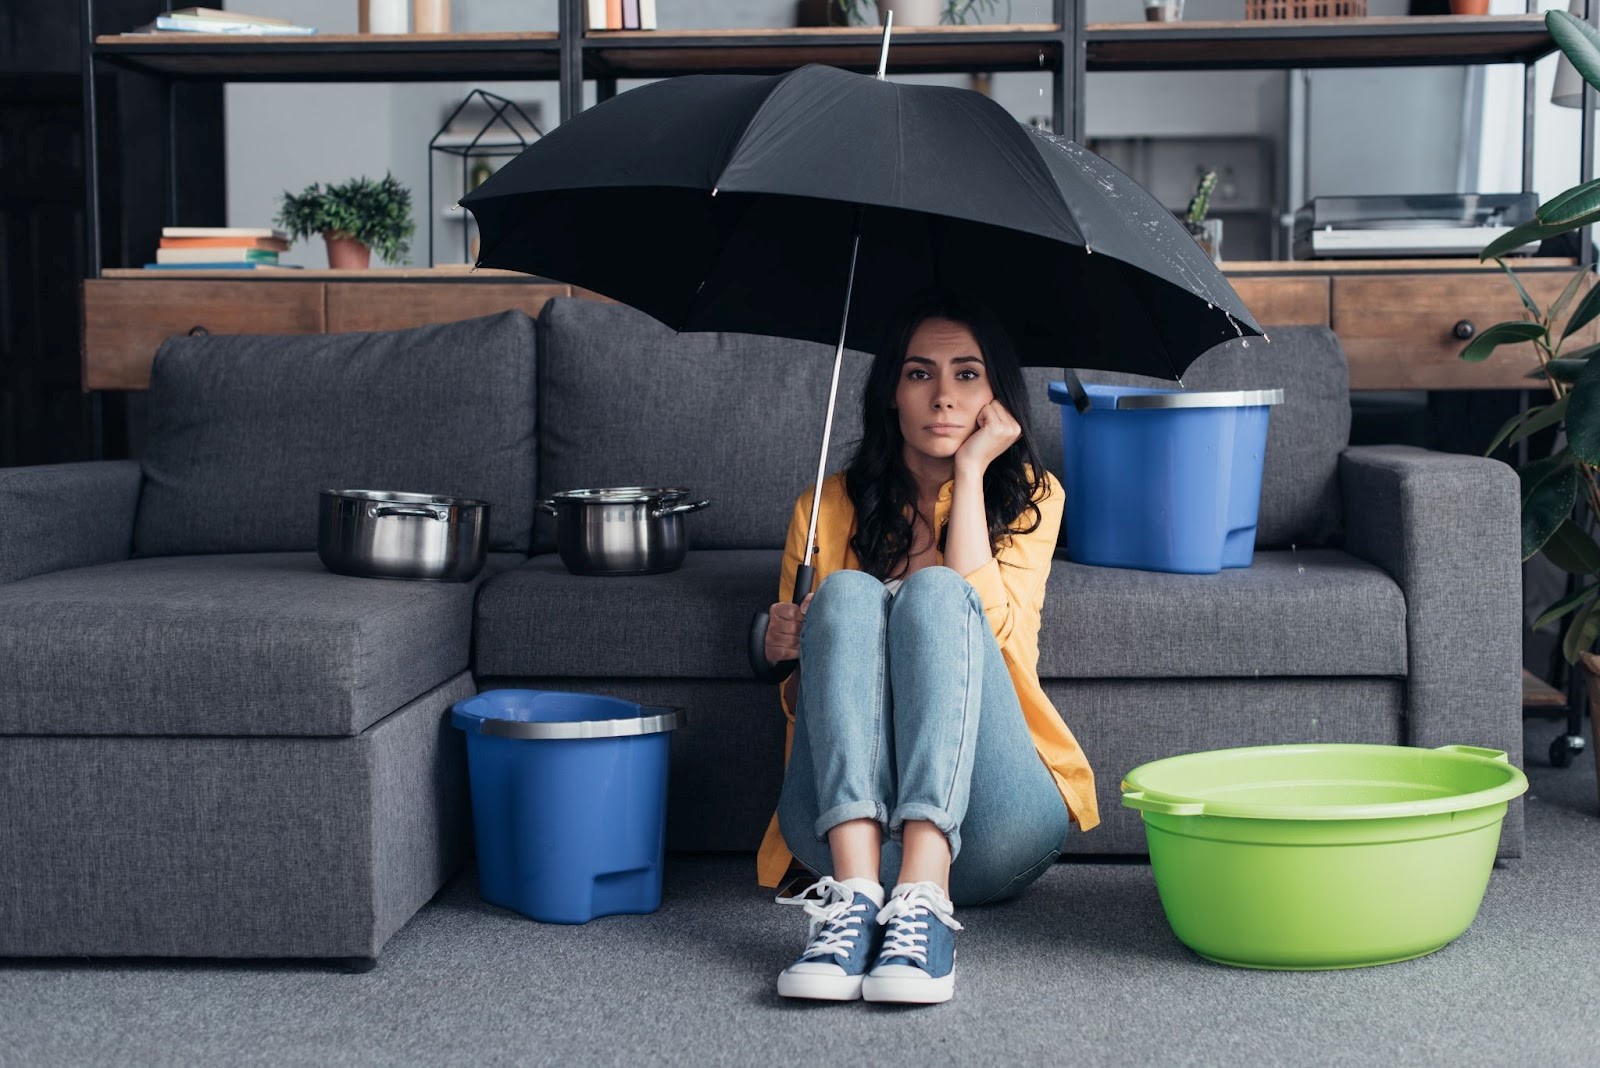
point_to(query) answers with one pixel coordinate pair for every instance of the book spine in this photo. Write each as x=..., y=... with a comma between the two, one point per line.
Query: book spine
x=596, y=12
x=613, y=14
x=630, y=14
x=647, y=14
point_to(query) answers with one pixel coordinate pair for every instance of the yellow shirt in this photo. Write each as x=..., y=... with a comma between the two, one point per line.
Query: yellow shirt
x=1013, y=598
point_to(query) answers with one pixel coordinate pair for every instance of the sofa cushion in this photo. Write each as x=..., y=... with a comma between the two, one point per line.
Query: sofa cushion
x=1305, y=434
x=257, y=644
x=1307, y=612
x=1311, y=612
x=735, y=418
x=692, y=623
x=244, y=431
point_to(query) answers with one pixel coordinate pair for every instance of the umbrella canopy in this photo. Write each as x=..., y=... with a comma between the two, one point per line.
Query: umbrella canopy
x=729, y=202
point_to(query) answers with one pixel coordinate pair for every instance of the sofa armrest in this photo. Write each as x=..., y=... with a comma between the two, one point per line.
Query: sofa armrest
x=61, y=516
x=1447, y=529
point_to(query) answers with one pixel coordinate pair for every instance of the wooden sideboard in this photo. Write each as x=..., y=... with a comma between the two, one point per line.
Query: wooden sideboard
x=1397, y=320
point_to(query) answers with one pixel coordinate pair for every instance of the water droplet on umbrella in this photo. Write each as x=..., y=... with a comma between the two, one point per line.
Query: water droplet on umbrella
x=1209, y=306
x=1088, y=251
x=1245, y=343
x=713, y=191
x=1301, y=569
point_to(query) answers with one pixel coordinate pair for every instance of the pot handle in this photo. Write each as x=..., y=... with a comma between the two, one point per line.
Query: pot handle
x=677, y=509
x=549, y=505
x=1474, y=750
x=1137, y=799
x=441, y=514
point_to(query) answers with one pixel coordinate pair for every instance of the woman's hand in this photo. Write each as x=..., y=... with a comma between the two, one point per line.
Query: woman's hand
x=783, y=630
x=997, y=431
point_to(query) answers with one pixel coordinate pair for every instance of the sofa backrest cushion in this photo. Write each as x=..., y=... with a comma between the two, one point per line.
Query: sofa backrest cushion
x=1300, y=479
x=735, y=418
x=244, y=431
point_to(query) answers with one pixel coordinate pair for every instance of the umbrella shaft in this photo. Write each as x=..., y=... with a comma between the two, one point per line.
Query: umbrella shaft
x=833, y=389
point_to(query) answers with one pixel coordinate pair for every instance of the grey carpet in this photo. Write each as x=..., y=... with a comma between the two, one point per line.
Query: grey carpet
x=1081, y=970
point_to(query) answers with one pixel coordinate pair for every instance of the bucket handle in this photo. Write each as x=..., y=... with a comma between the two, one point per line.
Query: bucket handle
x=1137, y=799
x=651, y=720
x=1475, y=750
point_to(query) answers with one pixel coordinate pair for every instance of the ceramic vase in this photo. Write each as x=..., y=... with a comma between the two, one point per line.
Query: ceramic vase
x=911, y=12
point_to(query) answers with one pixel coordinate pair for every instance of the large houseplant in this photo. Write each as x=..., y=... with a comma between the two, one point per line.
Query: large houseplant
x=355, y=218
x=1561, y=492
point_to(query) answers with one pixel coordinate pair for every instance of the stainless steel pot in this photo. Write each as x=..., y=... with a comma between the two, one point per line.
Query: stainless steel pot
x=622, y=530
x=377, y=534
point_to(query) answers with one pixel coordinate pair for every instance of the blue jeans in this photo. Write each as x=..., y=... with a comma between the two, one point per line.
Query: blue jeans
x=906, y=712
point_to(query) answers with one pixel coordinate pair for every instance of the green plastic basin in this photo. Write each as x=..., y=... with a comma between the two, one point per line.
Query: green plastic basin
x=1322, y=856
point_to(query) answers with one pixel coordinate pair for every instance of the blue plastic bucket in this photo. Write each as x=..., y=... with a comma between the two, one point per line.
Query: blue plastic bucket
x=1163, y=479
x=569, y=801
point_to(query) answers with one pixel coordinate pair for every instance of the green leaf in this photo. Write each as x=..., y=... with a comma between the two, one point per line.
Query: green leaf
x=1527, y=301
x=1584, y=314
x=1500, y=334
x=1559, y=308
x=1583, y=417
x=1540, y=418
x=1519, y=236
x=1582, y=632
x=1579, y=41
x=1571, y=548
x=1573, y=600
x=1562, y=368
x=1570, y=204
x=1549, y=489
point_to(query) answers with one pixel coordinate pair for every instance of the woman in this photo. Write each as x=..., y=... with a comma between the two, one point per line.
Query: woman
x=922, y=749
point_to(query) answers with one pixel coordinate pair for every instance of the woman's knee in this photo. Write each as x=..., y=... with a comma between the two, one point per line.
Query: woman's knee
x=930, y=595
x=846, y=596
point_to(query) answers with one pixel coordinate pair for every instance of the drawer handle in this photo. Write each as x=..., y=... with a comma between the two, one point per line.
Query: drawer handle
x=199, y=331
x=1464, y=329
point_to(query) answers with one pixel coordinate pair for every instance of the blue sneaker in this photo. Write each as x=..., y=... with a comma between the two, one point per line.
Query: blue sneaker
x=917, y=963
x=843, y=938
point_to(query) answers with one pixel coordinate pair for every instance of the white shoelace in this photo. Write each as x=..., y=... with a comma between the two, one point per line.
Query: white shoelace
x=908, y=935
x=831, y=906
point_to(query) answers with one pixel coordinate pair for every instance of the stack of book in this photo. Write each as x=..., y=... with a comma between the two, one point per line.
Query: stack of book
x=213, y=20
x=620, y=14
x=218, y=248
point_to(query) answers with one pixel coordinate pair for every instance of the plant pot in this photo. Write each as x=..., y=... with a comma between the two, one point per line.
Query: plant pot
x=1469, y=7
x=345, y=253
x=1208, y=234
x=911, y=12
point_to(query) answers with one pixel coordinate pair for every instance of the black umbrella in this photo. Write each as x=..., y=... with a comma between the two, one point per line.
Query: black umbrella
x=729, y=202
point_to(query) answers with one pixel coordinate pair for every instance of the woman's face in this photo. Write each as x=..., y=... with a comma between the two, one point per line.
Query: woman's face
x=943, y=383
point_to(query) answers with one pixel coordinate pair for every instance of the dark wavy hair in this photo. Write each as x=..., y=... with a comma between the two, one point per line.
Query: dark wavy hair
x=880, y=485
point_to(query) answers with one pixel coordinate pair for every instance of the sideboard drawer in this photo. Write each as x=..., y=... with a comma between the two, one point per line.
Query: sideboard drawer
x=125, y=321
x=1399, y=333
x=398, y=305
x=1284, y=301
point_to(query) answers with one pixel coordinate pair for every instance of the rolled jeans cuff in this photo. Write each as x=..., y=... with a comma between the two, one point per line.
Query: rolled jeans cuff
x=914, y=810
x=852, y=810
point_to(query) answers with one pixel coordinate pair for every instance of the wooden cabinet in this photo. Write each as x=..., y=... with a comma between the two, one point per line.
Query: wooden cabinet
x=1407, y=331
x=125, y=322
x=1397, y=324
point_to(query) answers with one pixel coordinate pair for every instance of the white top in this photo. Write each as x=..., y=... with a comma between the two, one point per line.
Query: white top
x=893, y=585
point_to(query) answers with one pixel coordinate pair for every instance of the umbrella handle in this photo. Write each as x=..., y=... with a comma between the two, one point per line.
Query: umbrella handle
x=764, y=670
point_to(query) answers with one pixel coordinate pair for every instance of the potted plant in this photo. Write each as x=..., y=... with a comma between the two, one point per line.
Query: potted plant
x=919, y=12
x=1208, y=232
x=355, y=218
x=1561, y=492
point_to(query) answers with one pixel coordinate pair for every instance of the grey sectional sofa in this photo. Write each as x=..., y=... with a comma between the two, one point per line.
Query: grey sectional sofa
x=209, y=746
